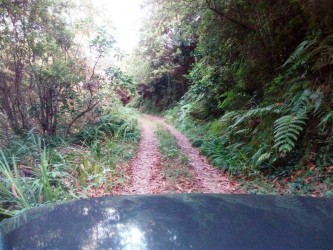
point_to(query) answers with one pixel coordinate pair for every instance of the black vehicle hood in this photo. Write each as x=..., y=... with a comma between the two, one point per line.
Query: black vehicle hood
x=188, y=221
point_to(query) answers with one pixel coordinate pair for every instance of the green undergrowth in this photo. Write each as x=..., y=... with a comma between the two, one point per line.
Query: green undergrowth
x=35, y=170
x=146, y=106
x=239, y=154
x=175, y=163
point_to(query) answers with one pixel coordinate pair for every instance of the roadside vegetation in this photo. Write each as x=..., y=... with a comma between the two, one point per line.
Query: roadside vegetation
x=36, y=169
x=63, y=127
x=298, y=180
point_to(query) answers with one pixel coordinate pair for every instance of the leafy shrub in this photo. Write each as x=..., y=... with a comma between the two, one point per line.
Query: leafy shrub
x=36, y=169
x=116, y=124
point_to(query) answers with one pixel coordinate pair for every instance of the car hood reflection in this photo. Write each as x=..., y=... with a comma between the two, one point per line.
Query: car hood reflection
x=188, y=221
x=129, y=235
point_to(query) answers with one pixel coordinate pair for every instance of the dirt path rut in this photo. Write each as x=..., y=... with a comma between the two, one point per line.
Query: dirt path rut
x=145, y=166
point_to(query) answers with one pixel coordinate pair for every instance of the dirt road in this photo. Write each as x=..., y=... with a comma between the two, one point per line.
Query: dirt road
x=145, y=169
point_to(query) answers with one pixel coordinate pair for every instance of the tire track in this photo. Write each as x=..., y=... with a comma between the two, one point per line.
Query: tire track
x=211, y=180
x=145, y=171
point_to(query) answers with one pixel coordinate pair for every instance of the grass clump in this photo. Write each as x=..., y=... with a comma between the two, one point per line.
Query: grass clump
x=175, y=163
x=35, y=169
x=33, y=175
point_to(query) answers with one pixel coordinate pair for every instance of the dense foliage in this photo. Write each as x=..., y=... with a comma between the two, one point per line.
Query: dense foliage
x=48, y=79
x=260, y=78
x=62, y=127
x=37, y=169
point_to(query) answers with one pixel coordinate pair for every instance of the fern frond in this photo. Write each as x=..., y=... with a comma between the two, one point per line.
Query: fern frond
x=301, y=54
x=259, y=157
x=243, y=131
x=229, y=98
x=264, y=157
x=305, y=101
x=326, y=121
x=287, y=129
x=323, y=53
x=228, y=117
x=257, y=112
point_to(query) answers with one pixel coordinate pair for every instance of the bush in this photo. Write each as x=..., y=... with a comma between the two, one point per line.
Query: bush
x=36, y=169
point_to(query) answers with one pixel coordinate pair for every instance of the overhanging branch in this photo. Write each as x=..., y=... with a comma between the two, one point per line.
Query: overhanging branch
x=244, y=25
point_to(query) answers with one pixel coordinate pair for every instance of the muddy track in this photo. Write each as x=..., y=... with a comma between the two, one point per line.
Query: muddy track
x=145, y=169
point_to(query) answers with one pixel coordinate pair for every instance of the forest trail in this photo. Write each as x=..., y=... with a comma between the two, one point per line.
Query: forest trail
x=145, y=171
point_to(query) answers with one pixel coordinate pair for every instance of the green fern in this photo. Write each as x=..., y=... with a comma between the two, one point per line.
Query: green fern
x=228, y=117
x=301, y=54
x=323, y=53
x=286, y=131
x=261, y=156
x=257, y=112
x=306, y=101
x=326, y=120
x=243, y=131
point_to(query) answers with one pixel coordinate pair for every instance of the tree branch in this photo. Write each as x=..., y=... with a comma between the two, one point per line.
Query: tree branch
x=230, y=18
x=89, y=108
x=94, y=68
